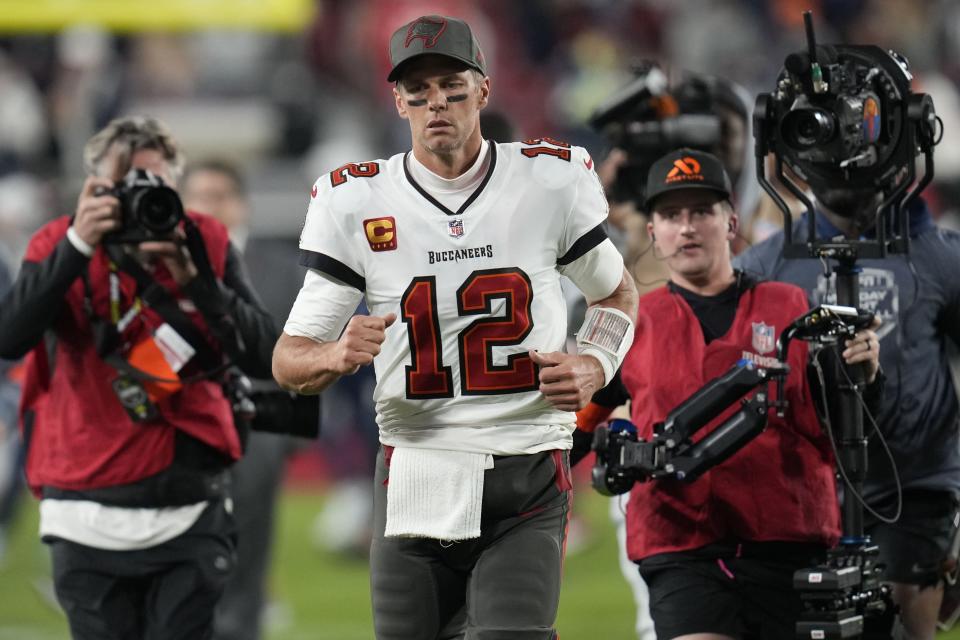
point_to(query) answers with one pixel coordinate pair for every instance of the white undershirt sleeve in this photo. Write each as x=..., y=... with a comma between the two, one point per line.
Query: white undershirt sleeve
x=322, y=309
x=598, y=272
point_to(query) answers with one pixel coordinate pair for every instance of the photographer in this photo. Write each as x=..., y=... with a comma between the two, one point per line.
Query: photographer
x=129, y=310
x=918, y=298
x=718, y=554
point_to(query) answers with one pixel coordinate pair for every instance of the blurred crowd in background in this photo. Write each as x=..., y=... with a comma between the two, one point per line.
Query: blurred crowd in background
x=288, y=106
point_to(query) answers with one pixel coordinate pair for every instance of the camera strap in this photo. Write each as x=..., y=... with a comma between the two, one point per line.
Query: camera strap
x=198, y=250
x=121, y=322
x=155, y=296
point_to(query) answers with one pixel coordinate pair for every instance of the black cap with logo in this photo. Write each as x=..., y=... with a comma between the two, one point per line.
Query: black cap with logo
x=438, y=35
x=686, y=169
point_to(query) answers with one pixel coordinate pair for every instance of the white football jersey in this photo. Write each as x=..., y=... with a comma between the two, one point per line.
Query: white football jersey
x=473, y=289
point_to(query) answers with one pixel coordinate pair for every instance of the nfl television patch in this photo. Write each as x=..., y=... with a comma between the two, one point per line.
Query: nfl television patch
x=381, y=233
x=764, y=337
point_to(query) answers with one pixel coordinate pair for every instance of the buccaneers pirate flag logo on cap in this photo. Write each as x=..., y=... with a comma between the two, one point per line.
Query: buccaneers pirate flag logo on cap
x=430, y=28
x=438, y=35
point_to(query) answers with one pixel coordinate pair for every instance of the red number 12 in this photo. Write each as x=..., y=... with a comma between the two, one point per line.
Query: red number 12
x=428, y=377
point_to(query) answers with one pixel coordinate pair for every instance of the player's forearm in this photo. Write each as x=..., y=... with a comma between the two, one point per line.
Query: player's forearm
x=624, y=298
x=304, y=365
x=607, y=333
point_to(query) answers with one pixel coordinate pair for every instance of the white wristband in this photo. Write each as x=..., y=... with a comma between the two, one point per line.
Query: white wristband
x=606, y=334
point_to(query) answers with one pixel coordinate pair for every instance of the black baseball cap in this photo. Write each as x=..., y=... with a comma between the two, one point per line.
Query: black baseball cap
x=440, y=35
x=686, y=169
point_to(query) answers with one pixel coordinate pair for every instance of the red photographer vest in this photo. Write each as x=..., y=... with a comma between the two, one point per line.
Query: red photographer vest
x=780, y=486
x=79, y=436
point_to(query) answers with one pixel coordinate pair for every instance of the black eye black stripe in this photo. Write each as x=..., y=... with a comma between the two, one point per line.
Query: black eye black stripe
x=419, y=102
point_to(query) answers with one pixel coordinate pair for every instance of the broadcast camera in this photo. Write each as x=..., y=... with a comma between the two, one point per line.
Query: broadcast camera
x=648, y=118
x=149, y=209
x=845, y=117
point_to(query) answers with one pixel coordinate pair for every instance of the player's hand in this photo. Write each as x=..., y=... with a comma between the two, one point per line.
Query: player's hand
x=865, y=348
x=568, y=381
x=175, y=256
x=96, y=215
x=360, y=342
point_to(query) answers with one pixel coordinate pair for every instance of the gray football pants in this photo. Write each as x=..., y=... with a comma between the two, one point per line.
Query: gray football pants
x=503, y=585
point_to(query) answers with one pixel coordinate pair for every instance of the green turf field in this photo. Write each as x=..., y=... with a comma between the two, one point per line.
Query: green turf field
x=324, y=596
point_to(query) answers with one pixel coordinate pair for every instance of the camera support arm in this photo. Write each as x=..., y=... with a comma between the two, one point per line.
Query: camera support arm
x=622, y=459
x=711, y=399
x=694, y=460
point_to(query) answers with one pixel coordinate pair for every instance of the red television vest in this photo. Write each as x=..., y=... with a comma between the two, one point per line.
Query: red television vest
x=780, y=486
x=81, y=437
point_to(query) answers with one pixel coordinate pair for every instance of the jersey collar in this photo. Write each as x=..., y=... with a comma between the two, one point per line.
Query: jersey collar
x=473, y=196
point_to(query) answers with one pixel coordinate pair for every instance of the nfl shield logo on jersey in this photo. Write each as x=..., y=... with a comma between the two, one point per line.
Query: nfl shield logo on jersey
x=763, y=337
x=455, y=228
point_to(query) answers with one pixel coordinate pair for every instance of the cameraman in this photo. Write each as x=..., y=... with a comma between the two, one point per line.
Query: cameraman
x=918, y=297
x=127, y=430
x=718, y=554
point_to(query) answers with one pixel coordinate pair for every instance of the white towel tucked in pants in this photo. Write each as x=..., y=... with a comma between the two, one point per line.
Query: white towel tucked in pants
x=435, y=494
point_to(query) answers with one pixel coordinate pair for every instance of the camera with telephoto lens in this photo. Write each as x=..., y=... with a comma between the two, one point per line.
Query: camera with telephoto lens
x=149, y=209
x=271, y=410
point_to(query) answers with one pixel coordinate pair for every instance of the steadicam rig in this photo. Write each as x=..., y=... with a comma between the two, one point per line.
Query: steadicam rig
x=845, y=120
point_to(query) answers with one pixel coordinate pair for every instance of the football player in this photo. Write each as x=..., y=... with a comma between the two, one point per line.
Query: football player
x=457, y=247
